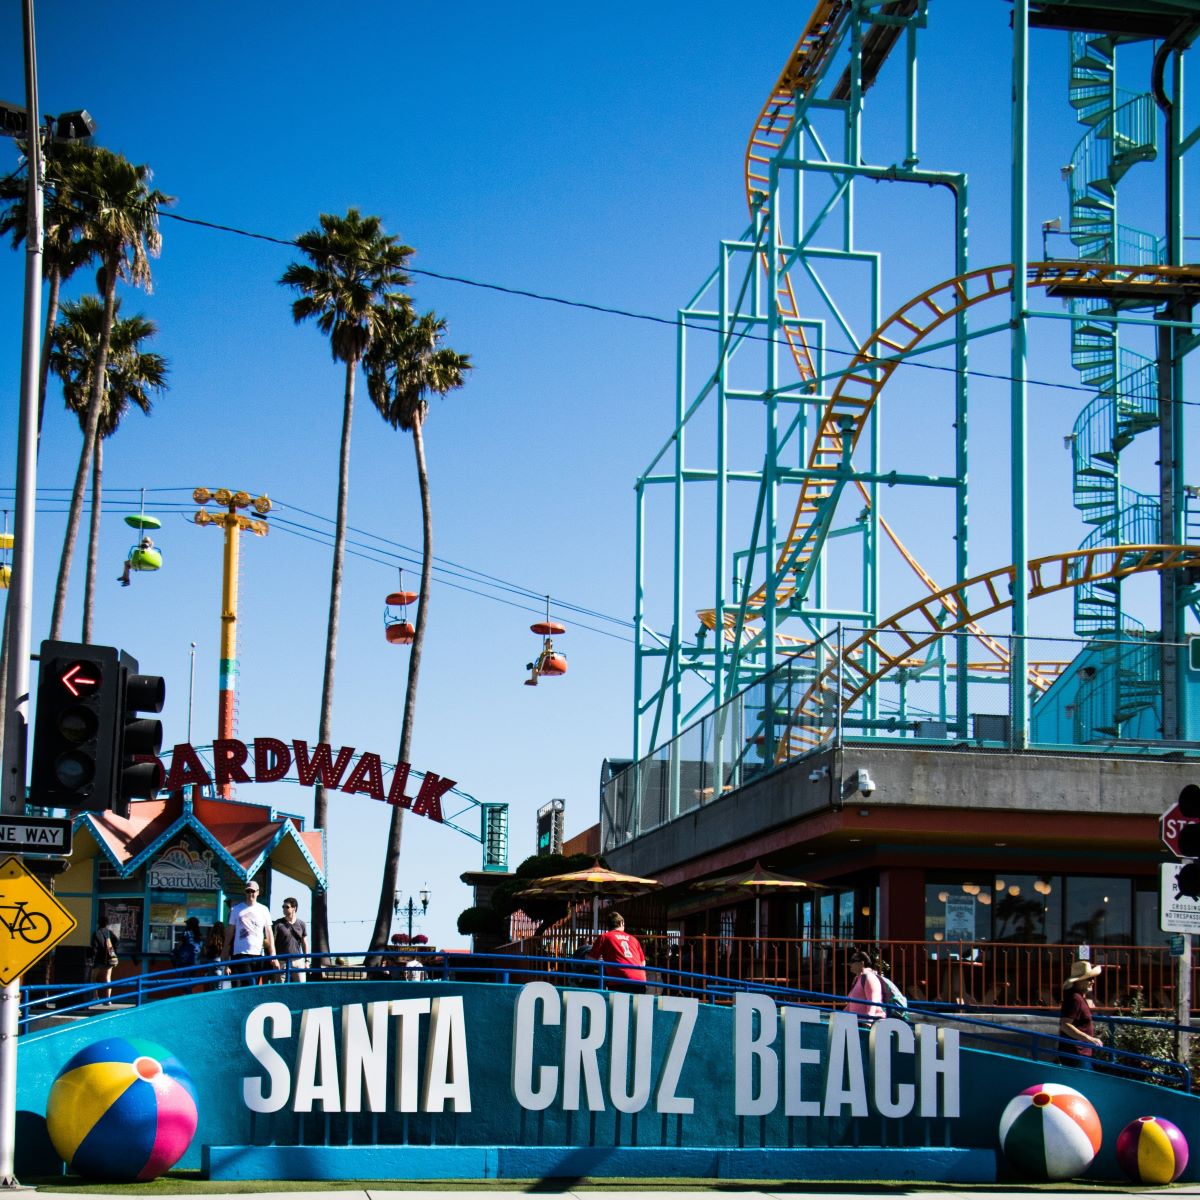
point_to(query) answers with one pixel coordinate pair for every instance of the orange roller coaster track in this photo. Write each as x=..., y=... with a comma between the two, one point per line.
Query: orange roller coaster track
x=917, y=626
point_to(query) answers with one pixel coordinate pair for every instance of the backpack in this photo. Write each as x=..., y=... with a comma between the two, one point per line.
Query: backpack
x=894, y=996
x=184, y=954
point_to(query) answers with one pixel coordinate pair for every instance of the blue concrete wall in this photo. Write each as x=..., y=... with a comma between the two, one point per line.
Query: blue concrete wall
x=207, y=1033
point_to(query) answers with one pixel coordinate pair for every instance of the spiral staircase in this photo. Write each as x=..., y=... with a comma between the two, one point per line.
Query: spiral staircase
x=1119, y=132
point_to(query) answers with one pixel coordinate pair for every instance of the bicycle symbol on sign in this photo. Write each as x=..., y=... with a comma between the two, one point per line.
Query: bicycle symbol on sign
x=32, y=927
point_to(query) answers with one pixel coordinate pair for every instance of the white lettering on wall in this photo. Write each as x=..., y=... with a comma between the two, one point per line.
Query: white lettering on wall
x=751, y=1050
x=795, y=1055
x=364, y=1056
x=888, y=1037
x=937, y=1051
x=667, y=1099
x=527, y=1095
x=845, y=1078
x=316, y=1064
x=274, y=1097
x=622, y=1065
x=585, y=1028
x=408, y=1014
x=447, y=1078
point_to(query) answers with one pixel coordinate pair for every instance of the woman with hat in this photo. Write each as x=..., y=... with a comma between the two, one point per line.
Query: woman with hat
x=1075, y=1015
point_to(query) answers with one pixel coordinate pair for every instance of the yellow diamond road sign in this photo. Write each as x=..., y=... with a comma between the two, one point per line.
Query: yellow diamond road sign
x=32, y=921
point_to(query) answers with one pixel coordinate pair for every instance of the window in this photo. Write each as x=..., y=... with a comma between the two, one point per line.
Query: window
x=1098, y=911
x=1027, y=909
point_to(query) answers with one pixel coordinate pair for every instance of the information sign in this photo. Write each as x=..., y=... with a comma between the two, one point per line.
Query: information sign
x=32, y=921
x=1177, y=913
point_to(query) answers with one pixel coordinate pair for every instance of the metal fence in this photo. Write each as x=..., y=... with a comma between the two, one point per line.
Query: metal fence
x=955, y=974
x=1095, y=695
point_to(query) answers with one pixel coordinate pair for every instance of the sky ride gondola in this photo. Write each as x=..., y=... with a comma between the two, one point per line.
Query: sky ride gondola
x=143, y=555
x=6, y=545
x=397, y=628
x=549, y=662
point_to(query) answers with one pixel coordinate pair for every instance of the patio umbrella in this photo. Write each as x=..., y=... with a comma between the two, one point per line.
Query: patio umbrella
x=594, y=881
x=756, y=881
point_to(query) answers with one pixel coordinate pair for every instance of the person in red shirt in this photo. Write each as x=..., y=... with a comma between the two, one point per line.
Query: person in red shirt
x=624, y=952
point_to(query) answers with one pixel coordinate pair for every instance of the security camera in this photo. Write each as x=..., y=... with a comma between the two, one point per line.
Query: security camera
x=863, y=782
x=818, y=774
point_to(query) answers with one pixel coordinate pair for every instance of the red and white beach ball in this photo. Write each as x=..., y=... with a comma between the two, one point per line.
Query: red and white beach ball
x=1152, y=1150
x=1050, y=1131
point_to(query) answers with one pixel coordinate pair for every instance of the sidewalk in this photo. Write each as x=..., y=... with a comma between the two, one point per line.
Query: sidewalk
x=624, y=1191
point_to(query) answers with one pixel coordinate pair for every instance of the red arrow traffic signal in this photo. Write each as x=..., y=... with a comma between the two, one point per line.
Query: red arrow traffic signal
x=81, y=678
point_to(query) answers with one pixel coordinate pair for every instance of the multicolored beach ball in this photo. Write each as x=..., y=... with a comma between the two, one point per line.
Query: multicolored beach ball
x=1050, y=1131
x=122, y=1110
x=1152, y=1150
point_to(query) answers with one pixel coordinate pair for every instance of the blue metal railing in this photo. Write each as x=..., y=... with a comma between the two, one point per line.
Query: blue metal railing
x=42, y=1001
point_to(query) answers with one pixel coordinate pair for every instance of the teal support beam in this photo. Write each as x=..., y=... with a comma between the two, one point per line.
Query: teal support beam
x=1019, y=354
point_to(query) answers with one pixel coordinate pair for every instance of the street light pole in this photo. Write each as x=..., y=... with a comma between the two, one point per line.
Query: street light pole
x=411, y=907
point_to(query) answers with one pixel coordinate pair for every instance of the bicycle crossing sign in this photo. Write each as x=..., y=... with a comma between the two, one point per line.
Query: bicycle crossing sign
x=32, y=920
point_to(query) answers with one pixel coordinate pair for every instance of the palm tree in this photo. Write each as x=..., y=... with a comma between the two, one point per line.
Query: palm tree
x=406, y=364
x=133, y=374
x=122, y=222
x=65, y=248
x=349, y=278
x=64, y=251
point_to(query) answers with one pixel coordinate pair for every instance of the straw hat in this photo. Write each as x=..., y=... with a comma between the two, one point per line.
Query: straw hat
x=1081, y=969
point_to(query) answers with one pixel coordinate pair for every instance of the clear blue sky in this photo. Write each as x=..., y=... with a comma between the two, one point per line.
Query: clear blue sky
x=590, y=153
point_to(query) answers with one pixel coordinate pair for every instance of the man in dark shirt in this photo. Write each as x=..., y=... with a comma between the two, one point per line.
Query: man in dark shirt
x=291, y=937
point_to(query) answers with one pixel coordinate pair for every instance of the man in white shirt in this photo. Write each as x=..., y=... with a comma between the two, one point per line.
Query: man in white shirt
x=249, y=936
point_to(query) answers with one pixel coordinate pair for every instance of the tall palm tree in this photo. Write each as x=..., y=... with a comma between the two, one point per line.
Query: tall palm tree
x=133, y=374
x=64, y=251
x=122, y=222
x=406, y=364
x=350, y=276
x=65, y=247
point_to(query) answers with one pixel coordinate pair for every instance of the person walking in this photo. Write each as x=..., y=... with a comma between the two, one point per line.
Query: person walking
x=627, y=972
x=291, y=937
x=866, y=991
x=1075, y=1016
x=104, y=957
x=247, y=937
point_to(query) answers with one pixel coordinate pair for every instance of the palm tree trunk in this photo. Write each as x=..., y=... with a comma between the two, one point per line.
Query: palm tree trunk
x=91, y=425
x=320, y=903
x=391, y=863
x=51, y=320
x=93, y=550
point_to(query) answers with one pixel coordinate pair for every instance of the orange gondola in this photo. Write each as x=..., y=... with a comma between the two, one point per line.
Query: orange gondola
x=397, y=628
x=549, y=662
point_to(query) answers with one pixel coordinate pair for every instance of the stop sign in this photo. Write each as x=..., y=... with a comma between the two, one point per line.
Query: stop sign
x=1173, y=823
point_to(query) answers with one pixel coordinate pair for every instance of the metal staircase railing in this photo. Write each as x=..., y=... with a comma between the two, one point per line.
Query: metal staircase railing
x=1120, y=130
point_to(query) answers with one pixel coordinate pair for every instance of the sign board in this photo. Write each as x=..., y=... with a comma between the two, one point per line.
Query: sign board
x=35, y=835
x=1194, y=653
x=32, y=921
x=1171, y=825
x=1175, y=945
x=1177, y=913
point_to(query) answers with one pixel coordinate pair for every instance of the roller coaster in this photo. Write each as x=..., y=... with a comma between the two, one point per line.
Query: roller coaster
x=822, y=646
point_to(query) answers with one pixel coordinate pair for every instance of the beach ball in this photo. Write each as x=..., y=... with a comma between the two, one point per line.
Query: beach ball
x=1050, y=1131
x=1152, y=1150
x=122, y=1110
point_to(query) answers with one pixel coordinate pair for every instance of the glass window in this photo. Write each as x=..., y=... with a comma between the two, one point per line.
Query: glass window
x=845, y=914
x=958, y=909
x=1146, y=914
x=1099, y=911
x=1027, y=908
x=826, y=928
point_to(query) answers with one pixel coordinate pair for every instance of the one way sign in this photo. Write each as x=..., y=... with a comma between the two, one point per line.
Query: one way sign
x=35, y=835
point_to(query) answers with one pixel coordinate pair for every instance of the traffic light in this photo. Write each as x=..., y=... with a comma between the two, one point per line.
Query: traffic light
x=78, y=706
x=1189, y=842
x=139, y=739
x=90, y=741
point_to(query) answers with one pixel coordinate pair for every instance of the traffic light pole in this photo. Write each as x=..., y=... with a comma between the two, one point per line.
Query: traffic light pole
x=20, y=596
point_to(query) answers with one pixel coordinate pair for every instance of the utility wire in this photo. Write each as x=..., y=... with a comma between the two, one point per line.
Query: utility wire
x=650, y=318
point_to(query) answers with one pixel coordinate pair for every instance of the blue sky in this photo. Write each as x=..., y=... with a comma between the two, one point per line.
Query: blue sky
x=591, y=154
